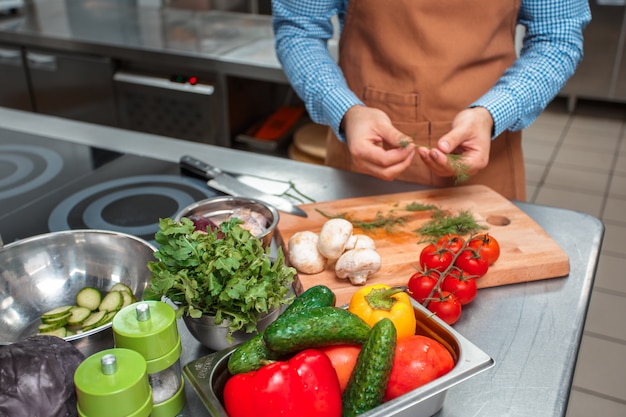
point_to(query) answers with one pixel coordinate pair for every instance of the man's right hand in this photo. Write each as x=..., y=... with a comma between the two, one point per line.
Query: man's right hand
x=377, y=148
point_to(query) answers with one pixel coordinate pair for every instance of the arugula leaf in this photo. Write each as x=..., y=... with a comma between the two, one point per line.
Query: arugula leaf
x=226, y=273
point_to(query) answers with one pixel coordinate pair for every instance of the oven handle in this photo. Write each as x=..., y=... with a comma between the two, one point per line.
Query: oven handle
x=164, y=83
x=11, y=57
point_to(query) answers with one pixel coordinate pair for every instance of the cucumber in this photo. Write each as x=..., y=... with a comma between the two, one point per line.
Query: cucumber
x=111, y=302
x=121, y=287
x=48, y=327
x=315, y=327
x=56, y=312
x=316, y=296
x=249, y=356
x=91, y=311
x=89, y=297
x=78, y=315
x=94, y=320
x=60, y=332
x=128, y=298
x=62, y=320
x=368, y=381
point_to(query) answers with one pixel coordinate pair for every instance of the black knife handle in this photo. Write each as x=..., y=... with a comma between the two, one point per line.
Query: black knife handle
x=198, y=167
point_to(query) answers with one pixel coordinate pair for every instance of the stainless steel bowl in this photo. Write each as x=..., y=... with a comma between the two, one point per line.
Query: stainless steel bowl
x=46, y=271
x=217, y=207
x=214, y=337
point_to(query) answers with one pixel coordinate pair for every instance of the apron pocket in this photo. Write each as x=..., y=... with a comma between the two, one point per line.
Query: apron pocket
x=398, y=106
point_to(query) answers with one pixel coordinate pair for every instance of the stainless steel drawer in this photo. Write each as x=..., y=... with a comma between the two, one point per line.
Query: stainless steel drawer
x=169, y=105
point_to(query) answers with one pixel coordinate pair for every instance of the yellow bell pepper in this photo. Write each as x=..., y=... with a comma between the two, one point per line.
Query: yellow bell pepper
x=375, y=302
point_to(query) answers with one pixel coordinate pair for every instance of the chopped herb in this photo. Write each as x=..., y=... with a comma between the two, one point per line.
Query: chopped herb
x=381, y=221
x=443, y=223
x=415, y=206
x=226, y=273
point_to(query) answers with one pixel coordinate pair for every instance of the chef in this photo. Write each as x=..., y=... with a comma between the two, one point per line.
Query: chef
x=419, y=80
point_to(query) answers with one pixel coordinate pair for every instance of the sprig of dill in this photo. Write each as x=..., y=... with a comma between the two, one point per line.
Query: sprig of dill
x=386, y=221
x=442, y=223
x=461, y=169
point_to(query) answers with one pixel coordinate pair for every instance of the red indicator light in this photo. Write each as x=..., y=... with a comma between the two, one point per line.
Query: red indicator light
x=193, y=80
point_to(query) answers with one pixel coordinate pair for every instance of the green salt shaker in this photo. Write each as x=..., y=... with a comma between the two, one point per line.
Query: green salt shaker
x=149, y=328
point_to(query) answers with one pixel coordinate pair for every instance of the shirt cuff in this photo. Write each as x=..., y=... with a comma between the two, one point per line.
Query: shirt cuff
x=503, y=109
x=335, y=104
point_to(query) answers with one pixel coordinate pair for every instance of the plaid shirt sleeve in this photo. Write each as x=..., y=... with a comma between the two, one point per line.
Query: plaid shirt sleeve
x=552, y=49
x=303, y=29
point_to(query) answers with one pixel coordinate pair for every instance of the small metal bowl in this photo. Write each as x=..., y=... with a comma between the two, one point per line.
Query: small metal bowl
x=222, y=207
x=214, y=337
x=46, y=271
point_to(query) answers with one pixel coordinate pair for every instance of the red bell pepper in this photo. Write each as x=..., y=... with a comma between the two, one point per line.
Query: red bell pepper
x=304, y=386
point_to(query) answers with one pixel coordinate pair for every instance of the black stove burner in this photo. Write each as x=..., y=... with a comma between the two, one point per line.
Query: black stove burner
x=130, y=205
x=31, y=167
x=49, y=185
x=20, y=160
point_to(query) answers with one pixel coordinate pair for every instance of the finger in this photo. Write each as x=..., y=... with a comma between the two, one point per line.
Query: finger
x=389, y=169
x=436, y=161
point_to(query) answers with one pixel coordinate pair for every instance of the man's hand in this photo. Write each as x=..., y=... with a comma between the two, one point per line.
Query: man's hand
x=470, y=137
x=377, y=148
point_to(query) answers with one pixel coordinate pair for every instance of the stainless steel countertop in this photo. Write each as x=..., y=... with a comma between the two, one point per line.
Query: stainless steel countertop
x=532, y=330
x=228, y=42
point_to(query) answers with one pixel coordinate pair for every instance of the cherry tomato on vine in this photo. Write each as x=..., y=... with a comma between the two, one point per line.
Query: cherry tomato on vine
x=435, y=258
x=421, y=285
x=487, y=246
x=451, y=242
x=446, y=306
x=472, y=263
x=462, y=287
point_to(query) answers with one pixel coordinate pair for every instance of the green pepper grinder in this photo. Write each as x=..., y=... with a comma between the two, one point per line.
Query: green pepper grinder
x=113, y=383
x=149, y=328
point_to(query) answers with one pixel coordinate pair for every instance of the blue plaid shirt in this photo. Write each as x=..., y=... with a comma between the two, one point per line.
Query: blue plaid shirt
x=552, y=49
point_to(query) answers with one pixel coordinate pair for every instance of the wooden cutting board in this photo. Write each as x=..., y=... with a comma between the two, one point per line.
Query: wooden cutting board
x=528, y=253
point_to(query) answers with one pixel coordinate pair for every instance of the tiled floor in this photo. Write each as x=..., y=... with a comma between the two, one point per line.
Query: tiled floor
x=578, y=161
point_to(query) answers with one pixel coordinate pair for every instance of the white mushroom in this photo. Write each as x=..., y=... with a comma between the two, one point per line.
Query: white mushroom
x=358, y=265
x=334, y=237
x=303, y=253
x=361, y=241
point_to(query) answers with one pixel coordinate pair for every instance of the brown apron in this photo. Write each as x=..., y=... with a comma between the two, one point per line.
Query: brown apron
x=422, y=62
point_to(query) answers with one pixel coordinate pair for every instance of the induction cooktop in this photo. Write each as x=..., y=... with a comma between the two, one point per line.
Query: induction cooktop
x=51, y=185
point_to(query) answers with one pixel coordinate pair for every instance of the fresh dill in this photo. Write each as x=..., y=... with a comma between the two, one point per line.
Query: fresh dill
x=415, y=206
x=386, y=221
x=461, y=169
x=442, y=223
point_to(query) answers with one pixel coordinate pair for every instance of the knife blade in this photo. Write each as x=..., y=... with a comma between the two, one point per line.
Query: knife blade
x=228, y=184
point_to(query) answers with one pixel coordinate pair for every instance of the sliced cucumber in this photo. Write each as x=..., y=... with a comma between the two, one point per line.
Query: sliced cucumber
x=56, y=320
x=92, y=310
x=60, y=332
x=128, y=299
x=89, y=297
x=56, y=312
x=121, y=287
x=94, y=320
x=108, y=317
x=48, y=327
x=78, y=315
x=112, y=301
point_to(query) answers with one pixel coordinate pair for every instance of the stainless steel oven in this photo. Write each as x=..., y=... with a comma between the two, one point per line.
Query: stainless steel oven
x=179, y=105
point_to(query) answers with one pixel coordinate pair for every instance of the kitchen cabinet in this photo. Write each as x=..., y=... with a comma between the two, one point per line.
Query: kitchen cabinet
x=74, y=86
x=15, y=92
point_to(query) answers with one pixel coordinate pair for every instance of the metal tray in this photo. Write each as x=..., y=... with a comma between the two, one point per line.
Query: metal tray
x=209, y=374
